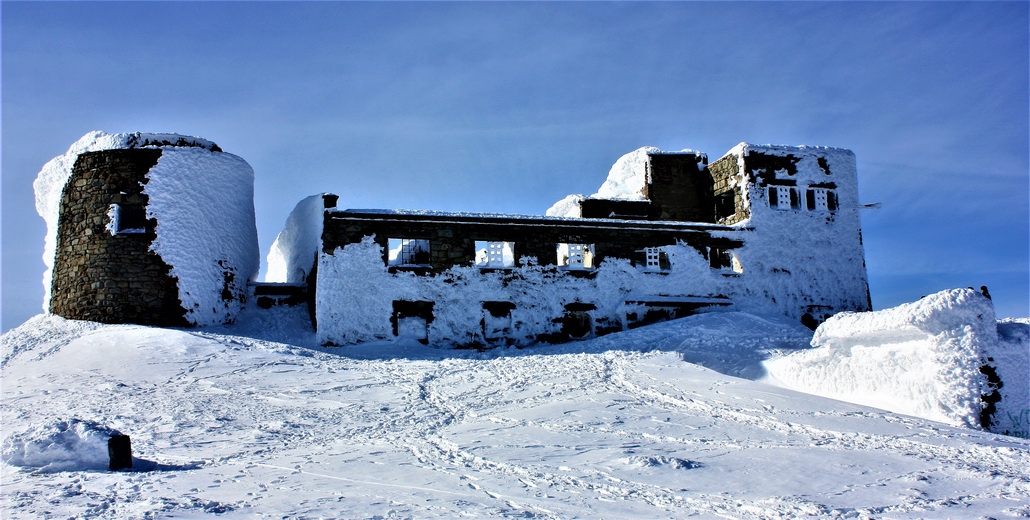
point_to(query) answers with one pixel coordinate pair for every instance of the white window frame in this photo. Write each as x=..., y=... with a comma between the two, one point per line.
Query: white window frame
x=820, y=199
x=653, y=259
x=575, y=256
x=783, y=197
x=495, y=254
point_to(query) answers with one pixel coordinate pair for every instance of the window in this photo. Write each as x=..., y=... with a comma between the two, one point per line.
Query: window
x=497, y=321
x=127, y=219
x=725, y=205
x=577, y=322
x=821, y=199
x=784, y=197
x=576, y=256
x=655, y=259
x=495, y=254
x=724, y=259
x=411, y=319
x=408, y=251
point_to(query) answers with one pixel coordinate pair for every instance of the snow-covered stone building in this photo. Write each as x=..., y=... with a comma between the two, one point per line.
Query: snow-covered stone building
x=763, y=229
x=159, y=229
x=153, y=229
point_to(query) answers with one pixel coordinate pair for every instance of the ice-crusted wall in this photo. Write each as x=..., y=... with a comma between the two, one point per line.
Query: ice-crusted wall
x=52, y=178
x=203, y=202
x=939, y=358
x=799, y=258
x=795, y=260
x=356, y=291
x=199, y=205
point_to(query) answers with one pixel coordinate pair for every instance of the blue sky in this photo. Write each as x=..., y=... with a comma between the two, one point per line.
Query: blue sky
x=508, y=107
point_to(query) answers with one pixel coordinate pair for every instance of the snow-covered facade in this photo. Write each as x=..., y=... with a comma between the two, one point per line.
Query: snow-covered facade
x=154, y=229
x=762, y=229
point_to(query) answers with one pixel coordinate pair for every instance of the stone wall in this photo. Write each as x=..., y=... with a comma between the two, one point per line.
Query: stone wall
x=680, y=188
x=729, y=201
x=105, y=277
x=452, y=238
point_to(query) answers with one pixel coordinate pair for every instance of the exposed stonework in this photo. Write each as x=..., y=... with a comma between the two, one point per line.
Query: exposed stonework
x=105, y=276
x=728, y=197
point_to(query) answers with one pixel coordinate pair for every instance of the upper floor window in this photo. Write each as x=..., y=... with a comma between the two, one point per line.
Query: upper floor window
x=784, y=197
x=495, y=254
x=576, y=256
x=127, y=219
x=408, y=251
x=821, y=199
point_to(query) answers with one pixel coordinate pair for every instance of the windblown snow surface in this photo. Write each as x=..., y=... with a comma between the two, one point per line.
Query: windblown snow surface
x=664, y=421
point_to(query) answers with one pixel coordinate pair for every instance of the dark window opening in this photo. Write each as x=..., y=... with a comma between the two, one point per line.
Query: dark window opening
x=128, y=219
x=577, y=322
x=725, y=205
x=497, y=320
x=720, y=258
x=411, y=319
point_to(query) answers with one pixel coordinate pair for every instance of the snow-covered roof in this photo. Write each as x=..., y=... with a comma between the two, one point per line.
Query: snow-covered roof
x=473, y=216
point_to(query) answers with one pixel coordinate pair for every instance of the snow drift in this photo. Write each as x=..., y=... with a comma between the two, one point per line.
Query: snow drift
x=624, y=426
x=932, y=358
x=296, y=247
x=73, y=445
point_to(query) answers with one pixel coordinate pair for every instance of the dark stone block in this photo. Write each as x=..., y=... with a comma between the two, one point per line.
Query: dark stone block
x=119, y=450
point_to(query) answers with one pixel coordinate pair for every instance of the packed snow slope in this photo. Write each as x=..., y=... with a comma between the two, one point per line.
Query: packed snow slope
x=257, y=422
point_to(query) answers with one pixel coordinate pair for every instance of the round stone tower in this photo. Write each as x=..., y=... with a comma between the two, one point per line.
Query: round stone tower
x=155, y=229
x=104, y=269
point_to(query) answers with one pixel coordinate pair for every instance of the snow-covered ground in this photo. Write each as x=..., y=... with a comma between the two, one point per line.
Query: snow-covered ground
x=256, y=421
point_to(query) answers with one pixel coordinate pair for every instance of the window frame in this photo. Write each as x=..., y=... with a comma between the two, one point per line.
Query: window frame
x=578, y=256
x=500, y=254
x=121, y=214
x=778, y=192
x=406, y=254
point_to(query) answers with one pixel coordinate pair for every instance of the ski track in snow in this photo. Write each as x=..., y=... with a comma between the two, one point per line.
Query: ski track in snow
x=242, y=427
